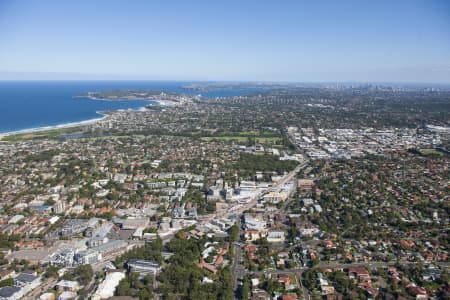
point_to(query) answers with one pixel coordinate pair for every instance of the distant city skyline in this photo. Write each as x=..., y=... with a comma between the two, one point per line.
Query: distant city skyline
x=288, y=41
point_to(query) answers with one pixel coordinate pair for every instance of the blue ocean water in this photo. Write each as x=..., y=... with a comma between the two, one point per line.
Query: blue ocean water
x=34, y=104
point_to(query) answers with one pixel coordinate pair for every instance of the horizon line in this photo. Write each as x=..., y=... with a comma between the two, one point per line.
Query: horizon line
x=287, y=82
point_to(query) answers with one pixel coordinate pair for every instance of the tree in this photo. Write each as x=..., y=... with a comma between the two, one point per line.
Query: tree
x=309, y=279
x=145, y=294
x=84, y=273
x=226, y=284
x=245, y=289
x=270, y=286
x=233, y=231
x=123, y=289
x=150, y=251
x=52, y=271
x=7, y=282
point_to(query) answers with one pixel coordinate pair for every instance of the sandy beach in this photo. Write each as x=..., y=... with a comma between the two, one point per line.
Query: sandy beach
x=60, y=126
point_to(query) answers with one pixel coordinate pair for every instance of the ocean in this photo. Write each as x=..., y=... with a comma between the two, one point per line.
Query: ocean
x=34, y=104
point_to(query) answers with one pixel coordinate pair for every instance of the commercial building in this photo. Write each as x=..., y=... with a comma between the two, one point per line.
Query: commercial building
x=87, y=257
x=143, y=267
x=67, y=285
x=275, y=236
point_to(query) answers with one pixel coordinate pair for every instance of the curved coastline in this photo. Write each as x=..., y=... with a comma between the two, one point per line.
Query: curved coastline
x=113, y=100
x=76, y=123
x=157, y=101
x=58, y=126
x=160, y=102
x=103, y=115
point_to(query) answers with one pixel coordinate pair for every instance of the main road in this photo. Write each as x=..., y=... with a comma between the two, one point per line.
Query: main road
x=238, y=269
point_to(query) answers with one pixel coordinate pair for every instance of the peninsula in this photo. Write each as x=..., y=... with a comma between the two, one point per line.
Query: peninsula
x=164, y=98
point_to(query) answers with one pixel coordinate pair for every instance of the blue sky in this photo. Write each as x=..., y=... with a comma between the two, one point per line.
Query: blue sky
x=256, y=40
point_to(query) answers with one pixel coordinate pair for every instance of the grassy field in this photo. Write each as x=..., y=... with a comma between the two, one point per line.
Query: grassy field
x=39, y=135
x=431, y=152
x=242, y=139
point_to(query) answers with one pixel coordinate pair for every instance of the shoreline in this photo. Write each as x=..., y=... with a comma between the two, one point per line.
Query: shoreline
x=112, y=100
x=161, y=102
x=80, y=123
x=53, y=127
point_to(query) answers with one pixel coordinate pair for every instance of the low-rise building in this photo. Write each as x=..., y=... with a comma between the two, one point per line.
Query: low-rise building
x=10, y=293
x=275, y=236
x=67, y=285
x=143, y=267
x=87, y=257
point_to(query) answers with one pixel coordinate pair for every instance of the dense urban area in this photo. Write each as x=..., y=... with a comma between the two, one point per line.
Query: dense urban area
x=293, y=192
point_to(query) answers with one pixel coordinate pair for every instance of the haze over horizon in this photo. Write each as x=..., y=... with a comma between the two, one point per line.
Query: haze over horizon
x=294, y=41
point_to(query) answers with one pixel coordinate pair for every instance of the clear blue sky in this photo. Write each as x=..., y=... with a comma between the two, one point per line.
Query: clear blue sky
x=339, y=40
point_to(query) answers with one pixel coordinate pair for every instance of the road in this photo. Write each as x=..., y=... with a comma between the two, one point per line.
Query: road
x=238, y=270
x=89, y=289
x=238, y=212
x=298, y=272
x=107, y=259
x=305, y=291
x=323, y=265
x=50, y=282
x=34, y=294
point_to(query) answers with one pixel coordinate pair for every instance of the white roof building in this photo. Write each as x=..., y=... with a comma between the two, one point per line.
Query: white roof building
x=53, y=219
x=15, y=219
x=67, y=295
x=108, y=286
